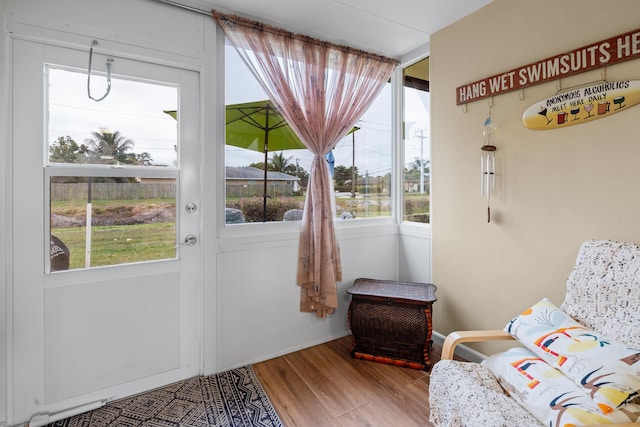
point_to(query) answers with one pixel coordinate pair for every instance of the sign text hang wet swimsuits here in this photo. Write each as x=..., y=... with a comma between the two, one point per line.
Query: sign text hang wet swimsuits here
x=611, y=51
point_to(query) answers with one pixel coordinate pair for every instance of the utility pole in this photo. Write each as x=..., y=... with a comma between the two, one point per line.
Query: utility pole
x=420, y=134
x=353, y=161
x=298, y=172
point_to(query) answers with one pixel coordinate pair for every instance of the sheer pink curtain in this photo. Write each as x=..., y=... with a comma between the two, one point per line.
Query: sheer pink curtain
x=321, y=89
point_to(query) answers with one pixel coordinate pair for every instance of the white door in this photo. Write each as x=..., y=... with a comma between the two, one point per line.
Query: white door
x=106, y=294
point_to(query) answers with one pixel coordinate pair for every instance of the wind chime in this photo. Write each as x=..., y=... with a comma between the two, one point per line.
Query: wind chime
x=488, y=163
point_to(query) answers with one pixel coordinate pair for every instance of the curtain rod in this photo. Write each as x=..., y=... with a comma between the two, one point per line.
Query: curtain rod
x=262, y=27
x=246, y=21
x=184, y=6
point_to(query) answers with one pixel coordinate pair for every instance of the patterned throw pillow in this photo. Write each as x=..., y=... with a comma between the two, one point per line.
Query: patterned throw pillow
x=548, y=394
x=608, y=371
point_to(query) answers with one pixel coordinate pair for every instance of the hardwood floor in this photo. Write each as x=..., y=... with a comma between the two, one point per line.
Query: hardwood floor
x=325, y=386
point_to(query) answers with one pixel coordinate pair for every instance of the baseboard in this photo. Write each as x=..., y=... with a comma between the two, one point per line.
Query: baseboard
x=461, y=351
x=286, y=351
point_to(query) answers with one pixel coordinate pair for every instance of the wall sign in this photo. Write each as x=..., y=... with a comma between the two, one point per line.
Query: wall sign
x=597, y=55
x=582, y=105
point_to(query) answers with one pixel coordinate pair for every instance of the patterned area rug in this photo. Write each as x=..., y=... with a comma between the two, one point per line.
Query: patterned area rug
x=233, y=398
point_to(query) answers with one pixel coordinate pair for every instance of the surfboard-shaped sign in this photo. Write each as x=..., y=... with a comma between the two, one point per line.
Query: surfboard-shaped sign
x=582, y=105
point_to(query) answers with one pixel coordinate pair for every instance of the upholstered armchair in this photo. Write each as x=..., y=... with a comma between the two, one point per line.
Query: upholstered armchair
x=603, y=300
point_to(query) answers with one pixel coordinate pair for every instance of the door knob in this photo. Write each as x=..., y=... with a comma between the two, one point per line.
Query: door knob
x=190, y=240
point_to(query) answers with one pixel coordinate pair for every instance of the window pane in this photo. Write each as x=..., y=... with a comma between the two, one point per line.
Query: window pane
x=133, y=125
x=417, y=143
x=130, y=215
x=98, y=221
x=365, y=155
x=361, y=162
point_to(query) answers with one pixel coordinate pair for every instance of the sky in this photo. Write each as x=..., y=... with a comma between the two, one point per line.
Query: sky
x=136, y=109
x=133, y=108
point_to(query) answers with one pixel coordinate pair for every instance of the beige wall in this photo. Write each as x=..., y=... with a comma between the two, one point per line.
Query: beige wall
x=555, y=188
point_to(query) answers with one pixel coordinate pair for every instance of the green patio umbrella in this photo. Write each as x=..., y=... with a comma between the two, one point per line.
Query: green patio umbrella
x=259, y=126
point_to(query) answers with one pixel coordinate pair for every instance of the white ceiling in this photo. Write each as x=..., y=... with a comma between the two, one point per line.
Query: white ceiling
x=388, y=27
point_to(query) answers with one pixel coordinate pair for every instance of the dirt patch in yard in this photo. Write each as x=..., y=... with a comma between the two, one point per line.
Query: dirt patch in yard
x=116, y=215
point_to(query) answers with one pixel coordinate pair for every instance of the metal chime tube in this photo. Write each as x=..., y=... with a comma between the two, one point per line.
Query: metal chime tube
x=488, y=174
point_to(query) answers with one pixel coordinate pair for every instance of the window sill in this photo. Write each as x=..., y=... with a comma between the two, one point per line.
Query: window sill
x=274, y=234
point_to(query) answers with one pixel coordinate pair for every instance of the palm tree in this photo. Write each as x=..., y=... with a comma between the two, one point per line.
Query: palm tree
x=279, y=163
x=110, y=147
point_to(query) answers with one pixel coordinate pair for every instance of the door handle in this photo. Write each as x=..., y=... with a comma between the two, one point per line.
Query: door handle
x=190, y=240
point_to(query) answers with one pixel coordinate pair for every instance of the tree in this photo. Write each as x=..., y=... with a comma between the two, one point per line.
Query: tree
x=66, y=150
x=108, y=147
x=414, y=169
x=279, y=163
x=342, y=175
x=418, y=173
x=257, y=165
x=144, y=159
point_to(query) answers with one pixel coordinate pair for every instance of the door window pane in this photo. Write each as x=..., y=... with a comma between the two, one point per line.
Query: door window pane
x=134, y=125
x=98, y=221
x=107, y=205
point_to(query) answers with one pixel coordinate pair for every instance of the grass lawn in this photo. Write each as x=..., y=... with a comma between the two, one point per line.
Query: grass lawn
x=119, y=244
x=122, y=244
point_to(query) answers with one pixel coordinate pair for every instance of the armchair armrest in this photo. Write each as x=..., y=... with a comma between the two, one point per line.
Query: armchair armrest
x=455, y=338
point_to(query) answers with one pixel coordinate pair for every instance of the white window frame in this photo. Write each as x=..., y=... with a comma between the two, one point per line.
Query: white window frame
x=239, y=234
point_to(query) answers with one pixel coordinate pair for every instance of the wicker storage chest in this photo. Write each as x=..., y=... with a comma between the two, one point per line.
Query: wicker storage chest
x=391, y=322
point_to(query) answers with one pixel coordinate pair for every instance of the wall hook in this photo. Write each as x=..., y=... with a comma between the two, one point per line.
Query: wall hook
x=109, y=61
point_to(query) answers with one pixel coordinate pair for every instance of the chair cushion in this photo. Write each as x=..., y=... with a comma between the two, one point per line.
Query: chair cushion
x=607, y=370
x=603, y=290
x=466, y=394
x=548, y=394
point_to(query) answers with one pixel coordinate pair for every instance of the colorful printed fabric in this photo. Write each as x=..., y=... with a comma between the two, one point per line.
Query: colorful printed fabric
x=608, y=371
x=548, y=394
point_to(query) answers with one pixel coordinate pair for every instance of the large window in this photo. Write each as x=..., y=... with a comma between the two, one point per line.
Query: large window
x=111, y=170
x=417, y=142
x=361, y=161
